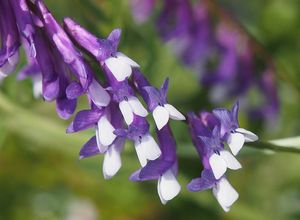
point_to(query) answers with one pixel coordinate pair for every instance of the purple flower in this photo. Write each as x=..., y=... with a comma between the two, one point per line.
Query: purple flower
x=104, y=50
x=267, y=84
x=157, y=103
x=98, y=118
x=74, y=61
x=225, y=194
x=71, y=56
x=164, y=168
x=55, y=76
x=33, y=71
x=210, y=147
x=230, y=130
x=129, y=104
x=105, y=121
x=45, y=60
x=142, y=9
x=175, y=19
x=156, y=100
x=25, y=23
x=145, y=145
x=9, y=52
x=215, y=159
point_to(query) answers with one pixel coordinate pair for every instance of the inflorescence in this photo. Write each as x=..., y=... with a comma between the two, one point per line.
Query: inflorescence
x=227, y=61
x=61, y=73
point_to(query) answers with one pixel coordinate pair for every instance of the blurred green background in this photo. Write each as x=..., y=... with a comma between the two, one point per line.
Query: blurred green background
x=42, y=178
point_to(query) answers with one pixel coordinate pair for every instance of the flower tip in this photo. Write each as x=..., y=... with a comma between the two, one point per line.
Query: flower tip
x=68, y=21
x=42, y=7
x=70, y=128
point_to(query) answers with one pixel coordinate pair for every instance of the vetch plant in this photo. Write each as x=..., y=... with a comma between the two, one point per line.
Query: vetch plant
x=122, y=105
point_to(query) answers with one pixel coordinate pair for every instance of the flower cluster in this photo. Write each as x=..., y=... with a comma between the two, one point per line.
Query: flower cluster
x=124, y=116
x=210, y=132
x=61, y=73
x=222, y=55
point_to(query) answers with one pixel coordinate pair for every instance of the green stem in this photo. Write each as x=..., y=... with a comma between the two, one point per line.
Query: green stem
x=274, y=146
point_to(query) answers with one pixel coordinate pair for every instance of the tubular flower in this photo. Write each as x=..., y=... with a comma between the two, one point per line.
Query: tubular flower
x=156, y=100
x=105, y=121
x=145, y=145
x=9, y=51
x=33, y=71
x=164, y=168
x=209, y=131
x=66, y=48
x=159, y=107
x=104, y=50
x=225, y=194
x=230, y=130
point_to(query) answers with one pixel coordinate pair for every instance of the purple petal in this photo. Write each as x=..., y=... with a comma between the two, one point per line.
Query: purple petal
x=74, y=90
x=65, y=107
x=154, y=169
x=235, y=112
x=138, y=128
x=153, y=98
x=24, y=22
x=84, y=119
x=30, y=69
x=101, y=49
x=223, y=115
x=66, y=48
x=167, y=144
x=135, y=176
x=142, y=9
x=207, y=181
x=209, y=120
x=9, y=39
x=121, y=133
x=164, y=89
x=89, y=149
x=114, y=37
x=51, y=90
x=197, y=128
x=82, y=36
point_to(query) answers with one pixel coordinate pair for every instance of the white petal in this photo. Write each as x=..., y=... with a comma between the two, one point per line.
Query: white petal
x=161, y=116
x=14, y=59
x=137, y=106
x=249, y=136
x=151, y=149
x=231, y=161
x=105, y=128
x=6, y=69
x=225, y=194
x=112, y=162
x=37, y=86
x=139, y=148
x=119, y=68
x=126, y=59
x=174, y=113
x=126, y=112
x=98, y=94
x=168, y=186
x=163, y=201
x=100, y=146
x=218, y=165
x=235, y=142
